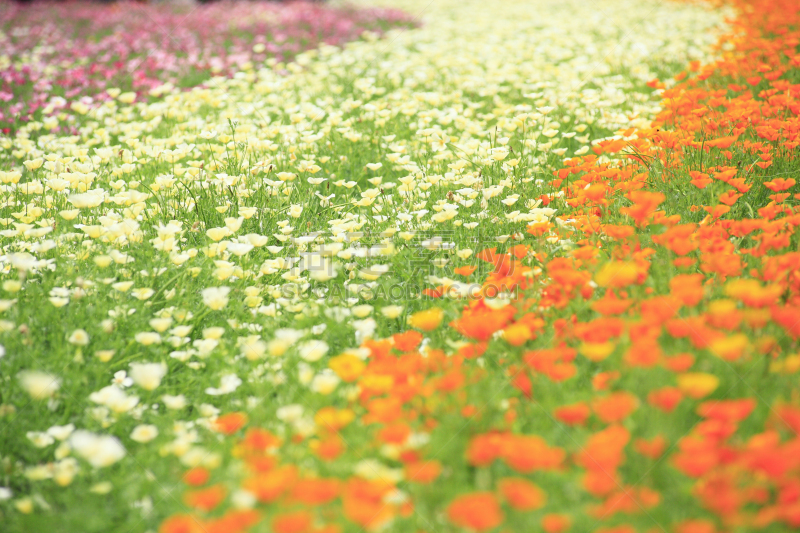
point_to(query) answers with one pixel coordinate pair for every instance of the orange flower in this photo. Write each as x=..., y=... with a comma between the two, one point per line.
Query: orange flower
x=700, y=180
x=729, y=198
x=722, y=142
x=316, y=491
x=679, y=363
x=521, y=494
x=681, y=239
x=196, y=476
x=604, y=450
x=487, y=255
x=423, y=471
x=700, y=525
x=181, y=523
x=478, y=511
x=603, y=380
x=615, y=407
x=574, y=414
x=333, y=419
x=294, y=522
x=233, y=521
x=687, y=288
x=465, y=271
x=665, y=398
x=644, y=205
x=363, y=503
x=556, y=523
x=396, y=433
x=538, y=228
x=780, y=184
x=480, y=324
x=258, y=441
x=205, y=499
x=484, y=449
x=528, y=453
x=328, y=448
x=643, y=354
x=230, y=423
x=408, y=341
x=752, y=293
x=727, y=410
x=789, y=318
x=270, y=485
x=610, y=304
x=652, y=448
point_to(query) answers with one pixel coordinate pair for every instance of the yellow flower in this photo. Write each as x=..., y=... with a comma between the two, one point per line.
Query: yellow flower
x=617, y=274
x=347, y=366
x=596, y=351
x=697, y=385
x=427, y=320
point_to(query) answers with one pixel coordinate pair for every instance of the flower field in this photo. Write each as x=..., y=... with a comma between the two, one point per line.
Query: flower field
x=56, y=53
x=529, y=266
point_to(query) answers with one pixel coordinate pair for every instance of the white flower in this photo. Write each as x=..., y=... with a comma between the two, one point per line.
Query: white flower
x=392, y=311
x=253, y=348
x=242, y=499
x=99, y=450
x=5, y=493
x=144, y=433
x=290, y=413
x=147, y=338
x=304, y=374
x=114, y=398
x=174, y=402
x=228, y=384
x=121, y=379
x=61, y=432
x=39, y=439
x=374, y=469
x=216, y=297
x=313, y=350
x=364, y=328
x=325, y=382
x=39, y=385
x=148, y=375
x=65, y=470
x=79, y=337
x=104, y=487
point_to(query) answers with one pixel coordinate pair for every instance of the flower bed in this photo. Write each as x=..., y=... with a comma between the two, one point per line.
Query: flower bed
x=78, y=50
x=516, y=269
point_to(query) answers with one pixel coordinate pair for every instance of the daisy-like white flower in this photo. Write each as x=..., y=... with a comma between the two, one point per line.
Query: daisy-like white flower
x=148, y=375
x=99, y=450
x=216, y=298
x=39, y=385
x=144, y=433
x=121, y=379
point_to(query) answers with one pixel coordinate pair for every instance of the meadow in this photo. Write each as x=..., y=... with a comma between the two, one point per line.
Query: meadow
x=400, y=265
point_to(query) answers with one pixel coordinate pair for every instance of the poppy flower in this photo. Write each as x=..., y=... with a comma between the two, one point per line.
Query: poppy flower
x=427, y=320
x=478, y=511
x=521, y=494
x=230, y=423
x=205, y=499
